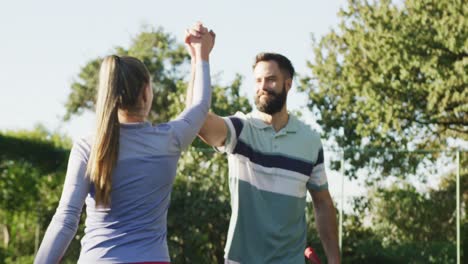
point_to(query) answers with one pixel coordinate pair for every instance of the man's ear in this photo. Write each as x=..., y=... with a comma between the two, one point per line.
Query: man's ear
x=288, y=84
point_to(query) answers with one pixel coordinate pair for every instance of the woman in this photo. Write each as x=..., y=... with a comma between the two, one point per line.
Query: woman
x=125, y=171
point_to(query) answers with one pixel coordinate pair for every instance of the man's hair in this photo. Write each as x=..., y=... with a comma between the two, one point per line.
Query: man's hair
x=284, y=63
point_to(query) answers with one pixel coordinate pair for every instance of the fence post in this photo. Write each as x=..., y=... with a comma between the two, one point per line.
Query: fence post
x=458, y=206
x=340, y=227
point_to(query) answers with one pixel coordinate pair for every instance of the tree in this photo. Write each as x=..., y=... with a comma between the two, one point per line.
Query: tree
x=32, y=170
x=410, y=225
x=165, y=59
x=42, y=149
x=392, y=77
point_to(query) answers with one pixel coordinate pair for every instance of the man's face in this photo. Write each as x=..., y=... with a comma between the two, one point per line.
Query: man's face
x=270, y=87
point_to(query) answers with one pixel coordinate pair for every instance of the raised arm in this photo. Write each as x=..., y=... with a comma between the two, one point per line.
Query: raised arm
x=192, y=35
x=189, y=122
x=188, y=97
x=193, y=60
x=214, y=130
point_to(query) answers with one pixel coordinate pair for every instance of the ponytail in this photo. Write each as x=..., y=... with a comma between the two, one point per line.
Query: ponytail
x=121, y=81
x=106, y=141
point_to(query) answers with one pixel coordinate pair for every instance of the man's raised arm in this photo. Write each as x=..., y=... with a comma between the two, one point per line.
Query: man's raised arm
x=214, y=131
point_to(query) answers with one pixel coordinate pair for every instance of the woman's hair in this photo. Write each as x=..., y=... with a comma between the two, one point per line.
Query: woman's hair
x=121, y=81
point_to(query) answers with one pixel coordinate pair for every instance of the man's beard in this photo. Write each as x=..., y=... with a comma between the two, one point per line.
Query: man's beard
x=274, y=102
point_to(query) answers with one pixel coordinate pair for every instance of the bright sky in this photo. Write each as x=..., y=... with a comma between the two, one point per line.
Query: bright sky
x=45, y=43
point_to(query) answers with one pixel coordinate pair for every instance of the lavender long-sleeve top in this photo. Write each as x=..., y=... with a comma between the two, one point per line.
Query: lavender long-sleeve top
x=134, y=227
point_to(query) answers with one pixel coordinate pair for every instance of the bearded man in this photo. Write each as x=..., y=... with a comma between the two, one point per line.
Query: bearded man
x=274, y=159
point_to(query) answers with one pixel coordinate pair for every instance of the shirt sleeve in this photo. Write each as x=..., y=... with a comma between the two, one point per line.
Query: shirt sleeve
x=65, y=222
x=318, y=178
x=235, y=125
x=189, y=122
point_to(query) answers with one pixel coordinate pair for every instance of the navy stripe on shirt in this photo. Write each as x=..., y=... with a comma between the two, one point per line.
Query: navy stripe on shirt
x=320, y=158
x=273, y=161
x=238, y=125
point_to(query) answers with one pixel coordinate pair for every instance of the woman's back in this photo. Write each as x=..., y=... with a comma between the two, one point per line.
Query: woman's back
x=135, y=223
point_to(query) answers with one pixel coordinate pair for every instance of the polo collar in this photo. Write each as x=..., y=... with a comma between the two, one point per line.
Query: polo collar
x=291, y=127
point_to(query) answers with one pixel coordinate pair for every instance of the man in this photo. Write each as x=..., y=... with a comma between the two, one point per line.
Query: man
x=274, y=158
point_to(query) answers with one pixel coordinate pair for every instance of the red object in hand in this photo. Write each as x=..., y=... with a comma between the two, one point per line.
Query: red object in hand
x=312, y=256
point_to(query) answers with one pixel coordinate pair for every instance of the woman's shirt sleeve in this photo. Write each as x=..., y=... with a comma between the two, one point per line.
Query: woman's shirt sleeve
x=187, y=125
x=65, y=222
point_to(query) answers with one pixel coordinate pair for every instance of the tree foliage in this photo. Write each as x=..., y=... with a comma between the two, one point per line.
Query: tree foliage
x=45, y=151
x=392, y=77
x=399, y=224
x=165, y=59
x=32, y=170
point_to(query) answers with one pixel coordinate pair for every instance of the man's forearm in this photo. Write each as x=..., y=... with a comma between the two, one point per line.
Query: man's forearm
x=325, y=219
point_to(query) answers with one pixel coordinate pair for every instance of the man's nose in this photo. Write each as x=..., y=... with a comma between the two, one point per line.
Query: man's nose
x=263, y=85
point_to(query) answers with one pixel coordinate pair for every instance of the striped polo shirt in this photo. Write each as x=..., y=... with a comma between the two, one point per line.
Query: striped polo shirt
x=269, y=175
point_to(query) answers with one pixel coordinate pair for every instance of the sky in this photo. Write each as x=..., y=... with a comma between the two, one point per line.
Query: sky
x=44, y=44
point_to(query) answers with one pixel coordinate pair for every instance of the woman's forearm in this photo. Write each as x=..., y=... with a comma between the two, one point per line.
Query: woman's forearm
x=189, y=95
